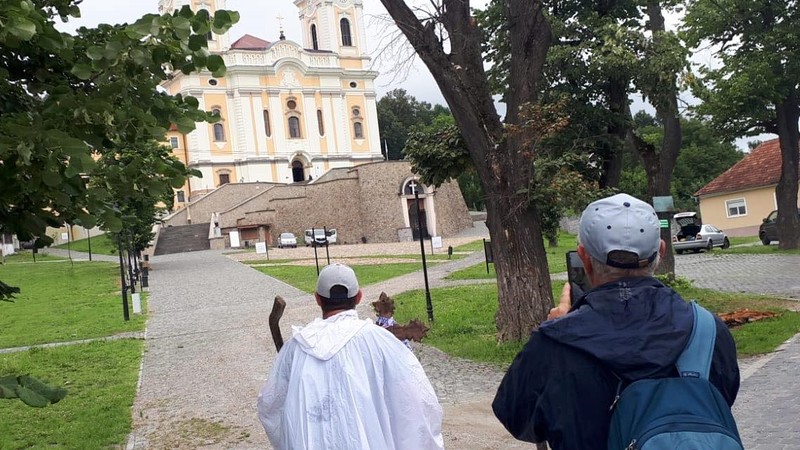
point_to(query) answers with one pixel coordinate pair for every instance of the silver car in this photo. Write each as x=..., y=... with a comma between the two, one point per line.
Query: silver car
x=287, y=240
x=694, y=236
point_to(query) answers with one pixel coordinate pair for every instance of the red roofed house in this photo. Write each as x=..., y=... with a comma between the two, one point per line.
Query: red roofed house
x=742, y=196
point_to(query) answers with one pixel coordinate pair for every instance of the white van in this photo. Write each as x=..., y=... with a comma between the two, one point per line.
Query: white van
x=320, y=237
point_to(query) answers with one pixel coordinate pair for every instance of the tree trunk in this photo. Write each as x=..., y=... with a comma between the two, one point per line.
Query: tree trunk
x=524, y=292
x=617, y=93
x=788, y=224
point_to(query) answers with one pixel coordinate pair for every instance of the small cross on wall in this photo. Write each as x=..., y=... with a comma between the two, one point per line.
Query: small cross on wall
x=413, y=187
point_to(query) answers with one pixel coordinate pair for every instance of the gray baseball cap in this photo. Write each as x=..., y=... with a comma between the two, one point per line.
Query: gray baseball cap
x=337, y=275
x=620, y=223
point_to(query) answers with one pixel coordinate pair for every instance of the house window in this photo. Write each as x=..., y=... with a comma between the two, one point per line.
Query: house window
x=294, y=127
x=173, y=142
x=181, y=196
x=319, y=122
x=347, y=40
x=224, y=178
x=219, y=133
x=267, y=125
x=358, y=130
x=314, y=42
x=736, y=207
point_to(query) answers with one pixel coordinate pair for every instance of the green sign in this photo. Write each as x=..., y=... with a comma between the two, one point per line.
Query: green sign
x=664, y=223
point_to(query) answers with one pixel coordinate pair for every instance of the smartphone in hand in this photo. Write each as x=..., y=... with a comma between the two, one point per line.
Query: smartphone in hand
x=576, y=274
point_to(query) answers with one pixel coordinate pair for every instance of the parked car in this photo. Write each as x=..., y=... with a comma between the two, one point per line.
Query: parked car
x=695, y=236
x=287, y=240
x=768, y=231
x=320, y=236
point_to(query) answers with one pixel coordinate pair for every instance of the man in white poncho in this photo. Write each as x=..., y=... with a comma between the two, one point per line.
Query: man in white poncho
x=345, y=383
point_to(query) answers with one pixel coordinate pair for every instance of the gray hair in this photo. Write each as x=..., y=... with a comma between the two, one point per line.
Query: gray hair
x=604, y=273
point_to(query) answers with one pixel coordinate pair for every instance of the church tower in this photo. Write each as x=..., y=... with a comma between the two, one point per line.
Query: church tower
x=216, y=42
x=333, y=25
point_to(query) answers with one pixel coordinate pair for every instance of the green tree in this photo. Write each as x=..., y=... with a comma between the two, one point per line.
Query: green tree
x=503, y=160
x=398, y=114
x=755, y=89
x=70, y=103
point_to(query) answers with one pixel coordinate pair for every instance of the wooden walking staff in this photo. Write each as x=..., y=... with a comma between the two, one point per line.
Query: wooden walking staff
x=274, y=321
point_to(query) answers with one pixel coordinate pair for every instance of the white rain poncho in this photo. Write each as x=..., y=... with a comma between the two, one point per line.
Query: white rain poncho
x=345, y=383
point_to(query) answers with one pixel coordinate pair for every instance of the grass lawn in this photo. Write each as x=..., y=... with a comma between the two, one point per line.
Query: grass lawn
x=740, y=240
x=100, y=378
x=62, y=301
x=101, y=245
x=464, y=320
x=556, y=260
x=305, y=277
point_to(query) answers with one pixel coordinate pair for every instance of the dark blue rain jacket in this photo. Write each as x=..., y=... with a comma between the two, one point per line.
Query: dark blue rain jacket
x=562, y=384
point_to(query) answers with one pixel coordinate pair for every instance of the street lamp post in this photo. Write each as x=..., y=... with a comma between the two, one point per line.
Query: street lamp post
x=428, y=302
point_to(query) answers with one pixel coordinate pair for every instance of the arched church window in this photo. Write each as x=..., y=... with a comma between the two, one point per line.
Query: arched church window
x=267, y=125
x=413, y=186
x=347, y=40
x=314, y=42
x=358, y=130
x=219, y=133
x=294, y=127
x=298, y=173
x=319, y=122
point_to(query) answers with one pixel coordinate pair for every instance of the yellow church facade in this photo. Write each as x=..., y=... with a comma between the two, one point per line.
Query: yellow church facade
x=289, y=112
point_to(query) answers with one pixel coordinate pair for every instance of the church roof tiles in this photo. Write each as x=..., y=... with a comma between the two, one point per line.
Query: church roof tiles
x=248, y=42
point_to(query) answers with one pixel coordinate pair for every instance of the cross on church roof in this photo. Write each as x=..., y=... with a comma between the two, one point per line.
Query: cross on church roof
x=280, y=26
x=413, y=187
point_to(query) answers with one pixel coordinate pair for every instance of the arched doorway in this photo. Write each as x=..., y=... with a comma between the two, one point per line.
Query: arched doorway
x=298, y=172
x=417, y=213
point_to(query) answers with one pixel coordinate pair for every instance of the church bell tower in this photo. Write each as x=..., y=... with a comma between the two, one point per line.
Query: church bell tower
x=333, y=25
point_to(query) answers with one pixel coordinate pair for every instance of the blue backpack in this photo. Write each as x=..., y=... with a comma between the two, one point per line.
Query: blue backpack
x=683, y=413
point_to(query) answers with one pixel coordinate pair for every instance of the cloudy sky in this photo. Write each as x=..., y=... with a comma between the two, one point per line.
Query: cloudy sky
x=260, y=18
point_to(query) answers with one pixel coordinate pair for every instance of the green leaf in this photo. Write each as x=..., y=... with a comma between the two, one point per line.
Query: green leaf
x=52, y=179
x=197, y=42
x=215, y=63
x=95, y=52
x=82, y=71
x=22, y=28
x=185, y=124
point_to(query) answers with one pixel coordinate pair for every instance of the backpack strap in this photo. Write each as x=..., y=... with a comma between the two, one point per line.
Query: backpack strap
x=695, y=361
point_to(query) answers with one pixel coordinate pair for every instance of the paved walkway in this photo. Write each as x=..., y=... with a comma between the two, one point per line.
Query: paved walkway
x=209, y=350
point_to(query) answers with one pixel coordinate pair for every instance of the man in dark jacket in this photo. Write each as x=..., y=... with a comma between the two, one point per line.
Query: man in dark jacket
x=561, y=386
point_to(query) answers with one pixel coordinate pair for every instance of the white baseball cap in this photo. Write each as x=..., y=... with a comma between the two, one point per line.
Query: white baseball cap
x=620, y=223
x=337, y=275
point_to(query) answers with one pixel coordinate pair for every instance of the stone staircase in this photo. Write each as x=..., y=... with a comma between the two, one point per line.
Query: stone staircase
x=180, y=239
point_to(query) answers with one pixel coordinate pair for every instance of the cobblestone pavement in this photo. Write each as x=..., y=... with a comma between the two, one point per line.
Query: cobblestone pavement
x=209, y=350
x=763, y=274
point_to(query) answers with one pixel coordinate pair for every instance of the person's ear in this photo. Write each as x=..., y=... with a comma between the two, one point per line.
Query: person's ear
x=358, y=296
x=662, y=249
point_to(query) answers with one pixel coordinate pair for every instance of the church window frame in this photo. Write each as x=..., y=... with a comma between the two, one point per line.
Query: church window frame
x=314, y=39
x=358, y=130
x=347, y=37
x=295, y=131
x=320, y=123
x=173, y=142
x=224, y=178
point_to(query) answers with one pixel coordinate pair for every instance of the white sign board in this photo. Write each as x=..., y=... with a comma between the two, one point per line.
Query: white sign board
x=261, y=247
x=235, y=239
x=436, y=241
x=64, y=236
x=137, y=303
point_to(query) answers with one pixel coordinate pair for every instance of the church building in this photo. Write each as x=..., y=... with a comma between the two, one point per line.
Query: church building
x=289, y=112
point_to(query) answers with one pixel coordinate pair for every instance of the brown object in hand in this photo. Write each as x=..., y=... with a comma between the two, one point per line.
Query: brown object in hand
x=415, y=331
x=384, y=307
x=743, y=316
x=274, y=321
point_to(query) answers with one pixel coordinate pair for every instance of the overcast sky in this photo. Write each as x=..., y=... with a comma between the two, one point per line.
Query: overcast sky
x=260, y=18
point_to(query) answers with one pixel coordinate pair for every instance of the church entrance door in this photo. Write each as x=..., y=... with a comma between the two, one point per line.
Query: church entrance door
x=298, y=174
x=414, y=221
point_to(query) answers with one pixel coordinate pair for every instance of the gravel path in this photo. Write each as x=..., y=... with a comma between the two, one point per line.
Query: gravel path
x=208, y=352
